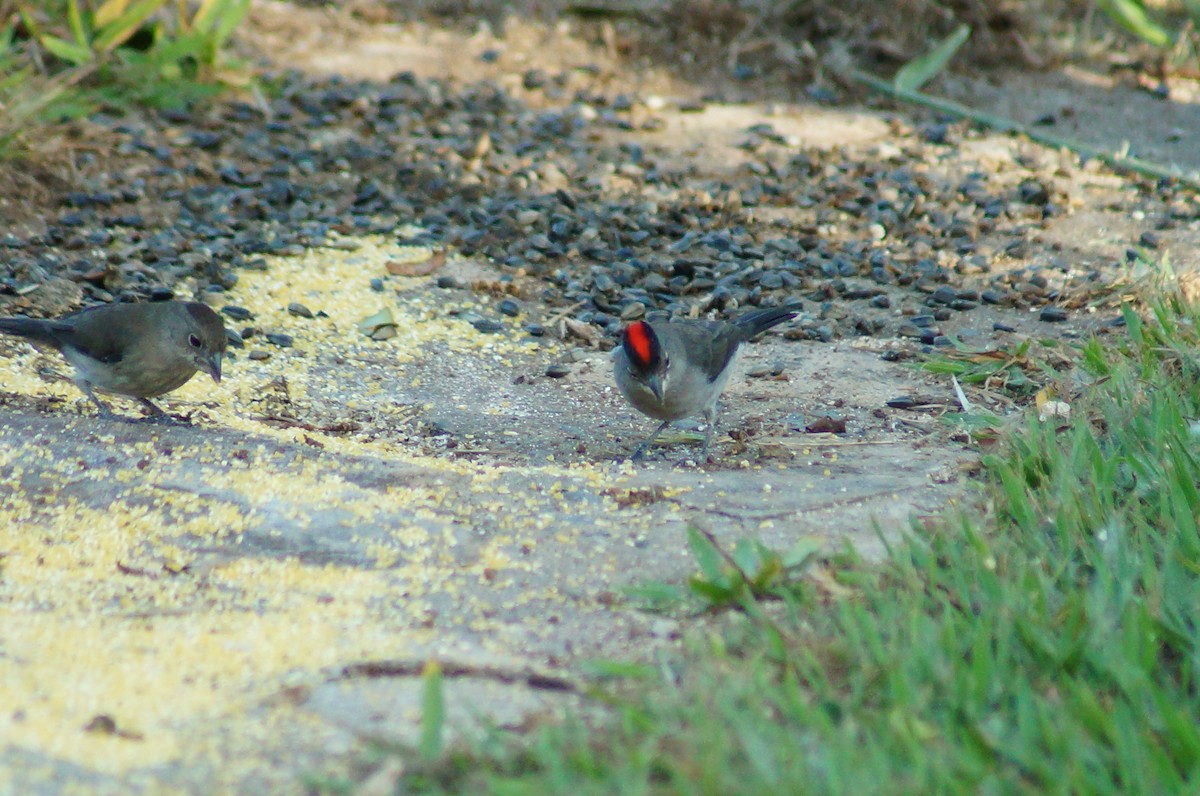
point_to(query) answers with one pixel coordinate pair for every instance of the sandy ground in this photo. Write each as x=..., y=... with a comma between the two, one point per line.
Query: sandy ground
x=350, y=502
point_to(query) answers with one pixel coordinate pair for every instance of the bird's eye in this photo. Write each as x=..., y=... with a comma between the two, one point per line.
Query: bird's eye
x=193, y=341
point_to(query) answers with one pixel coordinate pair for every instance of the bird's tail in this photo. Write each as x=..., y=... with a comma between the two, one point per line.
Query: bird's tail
x=32, y=328
x=758, y=321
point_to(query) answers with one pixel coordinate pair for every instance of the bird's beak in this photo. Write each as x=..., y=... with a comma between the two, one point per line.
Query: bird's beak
x=211, y=365
x=654, y=382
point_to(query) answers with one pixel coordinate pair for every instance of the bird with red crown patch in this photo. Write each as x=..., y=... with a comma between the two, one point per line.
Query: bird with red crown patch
x=672, y=369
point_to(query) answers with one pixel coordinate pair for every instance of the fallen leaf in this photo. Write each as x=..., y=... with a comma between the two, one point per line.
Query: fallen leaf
x=827, y=424
x=584, y=331
x=373, y=323
x=422, y=268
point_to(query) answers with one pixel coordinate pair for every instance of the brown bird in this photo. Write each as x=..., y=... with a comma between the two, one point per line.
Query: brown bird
x=138, y=350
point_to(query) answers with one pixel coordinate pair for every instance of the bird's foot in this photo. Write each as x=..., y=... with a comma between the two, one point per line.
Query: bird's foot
x=105, y=412
x=157, y=415
x=645, y=446
x=164, y=419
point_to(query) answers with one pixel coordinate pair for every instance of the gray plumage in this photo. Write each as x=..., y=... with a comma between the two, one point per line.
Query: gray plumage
x=674, y=369
x=138, y=350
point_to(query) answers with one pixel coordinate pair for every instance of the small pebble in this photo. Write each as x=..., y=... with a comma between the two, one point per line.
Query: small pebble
x=771, y=280
x=1033, y=192
x=944, y=295
x=534, y=78
x=279, y=339
x=535, y=329
x=1053, y=314
x=487, y=325
x=633, y=311
x=299, y=310
x=1002, y=327
x=557, y=371
x=236, y=312
x=258, y=355
x=377, y=285
x=936, y=133
x=759, y=371
x=510, y=308
x=206, y=140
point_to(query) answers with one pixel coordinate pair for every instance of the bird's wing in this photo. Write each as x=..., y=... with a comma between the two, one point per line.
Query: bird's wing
x=105, y=340
x=710, y=344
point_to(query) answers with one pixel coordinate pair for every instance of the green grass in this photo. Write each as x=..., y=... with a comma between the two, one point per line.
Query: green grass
x=75, y=58
x=1044, y=643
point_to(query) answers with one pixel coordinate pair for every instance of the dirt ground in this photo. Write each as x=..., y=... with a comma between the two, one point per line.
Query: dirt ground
x=245, y=603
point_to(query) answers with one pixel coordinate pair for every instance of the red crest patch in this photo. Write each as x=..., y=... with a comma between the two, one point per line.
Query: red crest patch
x=637, y=337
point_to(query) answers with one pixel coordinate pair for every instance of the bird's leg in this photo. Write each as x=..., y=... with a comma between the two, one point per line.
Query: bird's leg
x=645, y=446
x=154, y=410
x=157, y=415
x=710, y=421
x=105, y=412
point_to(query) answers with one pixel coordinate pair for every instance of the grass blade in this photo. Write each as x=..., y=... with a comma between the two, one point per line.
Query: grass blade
x=433, y=711
x=75, y=20
x=119, y=30
x=924, y=68
x=70, y=52
x=109, y=11
x=1132, y=16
